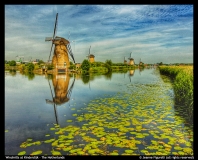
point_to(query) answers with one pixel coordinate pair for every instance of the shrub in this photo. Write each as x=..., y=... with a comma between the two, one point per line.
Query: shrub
x=12, y=63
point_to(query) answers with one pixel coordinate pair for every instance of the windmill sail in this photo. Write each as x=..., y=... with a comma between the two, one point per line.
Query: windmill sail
x=70, y=52
x=53, y=34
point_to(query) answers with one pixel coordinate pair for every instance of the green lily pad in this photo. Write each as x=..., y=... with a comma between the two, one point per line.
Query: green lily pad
x=91, y=151
x=37, y=142
x=49, y=141
x=67, y=149
x=69, y=120
x=129, y=151
x=29, y=139
x=47, y=135
x=188, y=150
x=22, y=153
x=6, y=130
x=36, y=152
x=57, y=153
x=81, y=152
x=113, y=153
x=177, y=148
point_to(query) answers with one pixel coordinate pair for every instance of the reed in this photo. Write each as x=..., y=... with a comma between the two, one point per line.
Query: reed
x=182, y=83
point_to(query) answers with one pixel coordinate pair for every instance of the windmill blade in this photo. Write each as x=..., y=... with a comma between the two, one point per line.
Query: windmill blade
x=54, y=33
x=48, y=38
x=55, y=25
x=70, y=89
x=89, y=50
x=50, y=51
x=70, y=52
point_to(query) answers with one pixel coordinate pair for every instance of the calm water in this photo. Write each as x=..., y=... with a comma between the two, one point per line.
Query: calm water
x=141, y=101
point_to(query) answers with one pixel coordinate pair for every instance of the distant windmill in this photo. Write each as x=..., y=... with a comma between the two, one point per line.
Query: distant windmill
x=140, y=63
x=131, y=60
x=90, y=56
x=125, y=61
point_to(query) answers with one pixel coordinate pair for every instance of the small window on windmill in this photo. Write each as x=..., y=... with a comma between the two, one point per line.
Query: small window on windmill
x=58, y=55
x=64, y=63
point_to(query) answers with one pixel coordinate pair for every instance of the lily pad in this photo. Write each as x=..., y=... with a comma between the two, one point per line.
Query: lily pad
x=22, y=153
x=36, y=152
x=56, y=153
x=129, y=151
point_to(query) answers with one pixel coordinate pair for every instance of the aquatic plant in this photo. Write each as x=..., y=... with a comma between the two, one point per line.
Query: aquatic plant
x=128, y=123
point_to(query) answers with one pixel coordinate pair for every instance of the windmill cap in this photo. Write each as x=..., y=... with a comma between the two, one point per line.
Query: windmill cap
x=91, y=55
x=61, y=39
x=60, y=100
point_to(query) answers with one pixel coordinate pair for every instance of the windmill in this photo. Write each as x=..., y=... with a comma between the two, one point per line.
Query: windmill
x=140, y=63
x=62, y=51
x=125, y=61
x=131, y=60
x=90, y=56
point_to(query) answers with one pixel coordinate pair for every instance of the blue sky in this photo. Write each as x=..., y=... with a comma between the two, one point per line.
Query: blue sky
x=153, y=33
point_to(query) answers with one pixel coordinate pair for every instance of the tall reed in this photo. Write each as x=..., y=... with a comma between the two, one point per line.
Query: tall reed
x=183, y=84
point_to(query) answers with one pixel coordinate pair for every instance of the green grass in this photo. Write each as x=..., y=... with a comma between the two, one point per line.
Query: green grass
x=183, y=84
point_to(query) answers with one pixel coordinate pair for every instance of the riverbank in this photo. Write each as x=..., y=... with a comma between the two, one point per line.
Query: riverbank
x=183, y=85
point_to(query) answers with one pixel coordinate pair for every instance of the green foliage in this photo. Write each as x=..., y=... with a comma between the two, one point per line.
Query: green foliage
x=50, y=67
x=108, y=65
x=12, y=63
x=40, y=62
x=30, y=67
x=72, y=66
x=30, y=75
x=108, y=62
x=183, y=84
x=85, y=78
x=85, y=65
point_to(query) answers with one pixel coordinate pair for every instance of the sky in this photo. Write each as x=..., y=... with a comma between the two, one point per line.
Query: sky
x=150, y=33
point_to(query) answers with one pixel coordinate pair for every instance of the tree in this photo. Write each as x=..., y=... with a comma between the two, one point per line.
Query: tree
x=108, y=65
x=30, y=67
x=85, y=65
x=12, y=63
x=40, y=62
x=108, y=62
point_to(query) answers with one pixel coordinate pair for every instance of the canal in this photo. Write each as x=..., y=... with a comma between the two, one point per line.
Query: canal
x=119, y=113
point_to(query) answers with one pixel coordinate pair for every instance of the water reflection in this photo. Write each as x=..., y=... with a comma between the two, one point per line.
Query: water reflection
x=12, y=72
x=30, y=75
x=62, y=90
x=140, y=70
x=108, y=75
x=131, y=73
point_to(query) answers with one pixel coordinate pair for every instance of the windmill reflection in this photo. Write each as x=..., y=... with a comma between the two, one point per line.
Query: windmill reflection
x=140, y=70
x=131, y=73
x=62, y=90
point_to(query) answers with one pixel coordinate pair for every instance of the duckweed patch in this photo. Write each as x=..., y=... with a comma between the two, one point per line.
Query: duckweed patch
x=139, y=121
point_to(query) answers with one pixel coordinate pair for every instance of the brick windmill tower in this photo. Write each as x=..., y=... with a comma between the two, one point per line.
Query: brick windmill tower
x=62, y=51
x=131, y=60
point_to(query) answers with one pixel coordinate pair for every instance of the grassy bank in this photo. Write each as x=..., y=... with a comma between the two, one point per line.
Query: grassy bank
x=183, y=84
